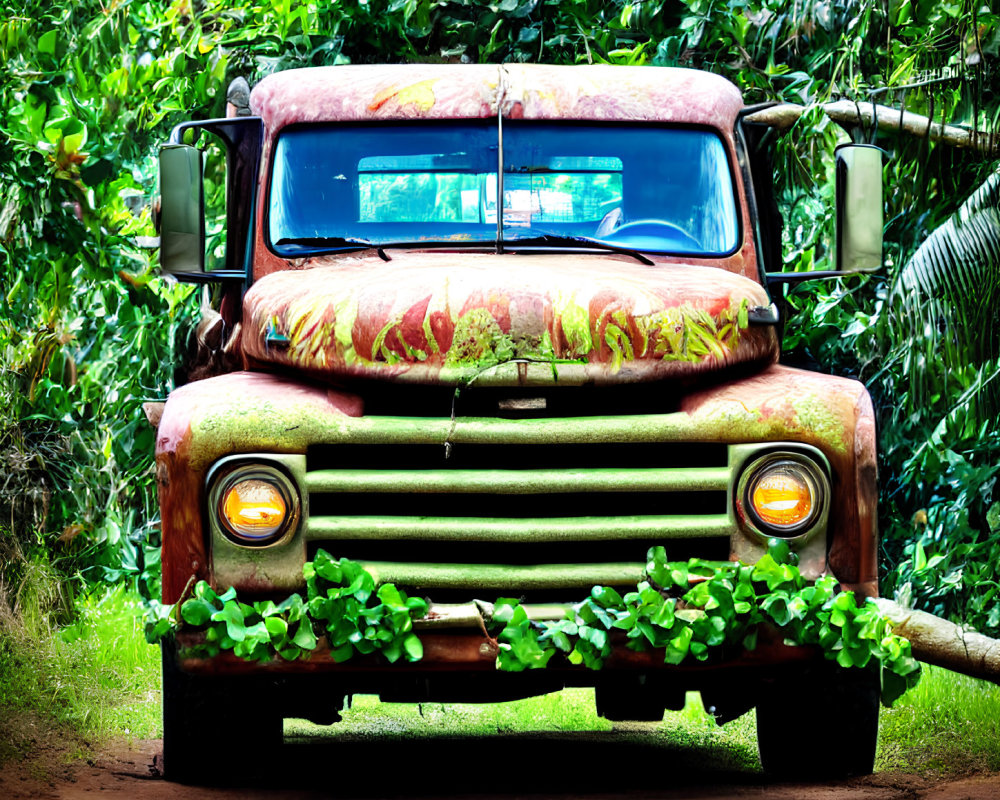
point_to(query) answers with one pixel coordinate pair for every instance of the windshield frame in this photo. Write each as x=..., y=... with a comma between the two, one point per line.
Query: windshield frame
x=498, y=239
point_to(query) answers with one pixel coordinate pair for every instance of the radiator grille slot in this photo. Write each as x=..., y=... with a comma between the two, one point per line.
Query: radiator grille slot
x=465, y=455
x=507, y=517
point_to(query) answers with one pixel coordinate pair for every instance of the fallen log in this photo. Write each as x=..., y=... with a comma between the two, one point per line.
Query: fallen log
x=937, y=641
x=848, y=113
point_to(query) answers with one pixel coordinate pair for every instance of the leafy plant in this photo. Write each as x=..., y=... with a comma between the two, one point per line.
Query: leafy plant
x=700, y=610
x=691, y=611
x=342, y=604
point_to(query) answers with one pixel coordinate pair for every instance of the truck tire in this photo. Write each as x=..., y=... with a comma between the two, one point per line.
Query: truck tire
x=214, y=727
x=837, y=735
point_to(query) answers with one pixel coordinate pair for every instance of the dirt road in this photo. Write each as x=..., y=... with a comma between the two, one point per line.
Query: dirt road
x=593, y=765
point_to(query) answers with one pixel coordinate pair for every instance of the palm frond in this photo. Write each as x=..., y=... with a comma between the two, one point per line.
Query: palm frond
x=944, y=310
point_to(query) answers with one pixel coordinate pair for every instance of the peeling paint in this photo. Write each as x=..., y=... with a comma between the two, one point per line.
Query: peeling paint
x=594, y=318
x=419, y=94
x=521, y=91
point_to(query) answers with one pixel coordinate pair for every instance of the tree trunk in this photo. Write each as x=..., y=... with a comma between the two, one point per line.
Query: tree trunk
x=945, y=644
x=848, y=113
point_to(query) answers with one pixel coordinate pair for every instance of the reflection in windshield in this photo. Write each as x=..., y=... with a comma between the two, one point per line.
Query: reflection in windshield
x=651, y=188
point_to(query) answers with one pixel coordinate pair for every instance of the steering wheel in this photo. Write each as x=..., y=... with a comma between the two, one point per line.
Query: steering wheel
x=609, y=223
x=650, y=230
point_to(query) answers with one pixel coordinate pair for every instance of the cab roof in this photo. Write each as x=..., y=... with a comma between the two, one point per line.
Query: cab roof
x=356, y=93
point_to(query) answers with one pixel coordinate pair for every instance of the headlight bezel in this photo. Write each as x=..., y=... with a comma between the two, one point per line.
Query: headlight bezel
x=230, y=472
x=816, y=472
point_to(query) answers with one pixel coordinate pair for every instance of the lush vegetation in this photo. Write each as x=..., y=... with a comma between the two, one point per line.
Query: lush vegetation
x=88, y=331
x=690, y=611
x=95, y=677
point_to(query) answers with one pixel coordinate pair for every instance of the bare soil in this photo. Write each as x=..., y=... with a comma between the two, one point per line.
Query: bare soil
x=564, y=765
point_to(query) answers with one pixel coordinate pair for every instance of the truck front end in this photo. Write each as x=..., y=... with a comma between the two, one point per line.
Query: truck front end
x=501, y=333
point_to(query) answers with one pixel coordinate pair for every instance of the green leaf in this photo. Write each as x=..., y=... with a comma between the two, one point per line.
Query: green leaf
x=342, y=653
x=606, y=597
x=392, y=652
x=664, y=615
x=776, y=607
x=678, y=647
x=196, y=611
x=232, y=615
x=327, y=568
x=276, y=626
x=390, y=595
x=413, y=647
x=304, y=637
x=47, y=42
x=595, y=636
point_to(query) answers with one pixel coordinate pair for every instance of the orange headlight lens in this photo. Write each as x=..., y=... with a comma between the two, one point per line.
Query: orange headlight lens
x=784, y=496
x=253, y=510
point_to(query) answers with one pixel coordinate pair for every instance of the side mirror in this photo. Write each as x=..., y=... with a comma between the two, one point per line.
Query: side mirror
x=859, y=208
x=182, y=209
x=207, y=198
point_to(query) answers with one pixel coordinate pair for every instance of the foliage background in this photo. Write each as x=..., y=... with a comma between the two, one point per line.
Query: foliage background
x=88, y=331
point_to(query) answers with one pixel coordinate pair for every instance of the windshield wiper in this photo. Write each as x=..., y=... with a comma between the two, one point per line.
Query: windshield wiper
x=330, y=244
x=559, y=240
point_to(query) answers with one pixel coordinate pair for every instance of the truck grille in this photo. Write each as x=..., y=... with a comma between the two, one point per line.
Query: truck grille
x=516, y=518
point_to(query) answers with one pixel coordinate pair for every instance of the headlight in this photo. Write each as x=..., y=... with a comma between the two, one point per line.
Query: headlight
x=254, y=504
x=783, y=494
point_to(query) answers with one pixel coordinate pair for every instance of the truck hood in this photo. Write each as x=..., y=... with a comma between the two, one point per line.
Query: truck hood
x=541, y=319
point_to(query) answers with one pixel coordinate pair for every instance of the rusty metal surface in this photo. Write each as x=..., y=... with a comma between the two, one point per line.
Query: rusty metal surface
x=567, y=319
x=474, y=651
x=248, y=412
x=530, y=91
x=834, y=415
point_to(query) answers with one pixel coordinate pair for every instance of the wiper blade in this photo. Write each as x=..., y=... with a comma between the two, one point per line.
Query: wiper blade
x=324, y=242
x=559, y=240
x=327, y=244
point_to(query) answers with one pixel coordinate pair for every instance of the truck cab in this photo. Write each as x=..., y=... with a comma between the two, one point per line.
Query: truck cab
x=496, y=331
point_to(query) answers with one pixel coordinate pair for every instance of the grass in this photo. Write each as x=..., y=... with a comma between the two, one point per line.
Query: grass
x=97, y=677
x=566, y=713
x=948, y=724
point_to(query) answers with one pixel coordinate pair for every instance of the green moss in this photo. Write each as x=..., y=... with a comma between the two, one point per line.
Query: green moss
x=813, y=414
x=478, y=341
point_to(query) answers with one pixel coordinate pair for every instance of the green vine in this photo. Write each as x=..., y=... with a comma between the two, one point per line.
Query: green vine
x=698, y=610
x=341, y=603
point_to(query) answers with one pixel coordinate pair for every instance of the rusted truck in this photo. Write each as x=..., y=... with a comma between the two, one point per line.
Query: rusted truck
x=495, y=331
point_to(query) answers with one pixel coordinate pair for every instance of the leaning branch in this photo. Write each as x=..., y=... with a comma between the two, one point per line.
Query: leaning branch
x=848, y=113
x=944, y=643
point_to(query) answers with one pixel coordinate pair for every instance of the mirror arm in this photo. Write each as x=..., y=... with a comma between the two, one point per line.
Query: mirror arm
x=224, y=276
x=778, y=278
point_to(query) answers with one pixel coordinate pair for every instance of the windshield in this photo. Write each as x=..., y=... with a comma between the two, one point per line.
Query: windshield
x=652, y=188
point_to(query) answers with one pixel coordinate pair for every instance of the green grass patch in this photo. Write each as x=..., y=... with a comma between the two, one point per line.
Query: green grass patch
x=949, y=724
x=98, y=676
x=569, y=713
